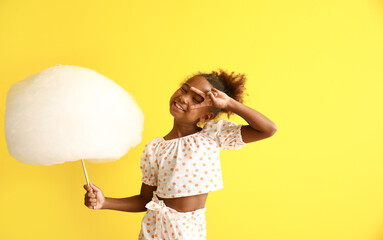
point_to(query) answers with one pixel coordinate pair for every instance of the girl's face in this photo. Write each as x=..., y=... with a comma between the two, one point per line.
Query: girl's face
x=184, y=98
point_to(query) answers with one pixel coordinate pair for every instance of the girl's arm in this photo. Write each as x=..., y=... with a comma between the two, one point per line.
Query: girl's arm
x=94, y=199
x=259, y=127
x=131, y=204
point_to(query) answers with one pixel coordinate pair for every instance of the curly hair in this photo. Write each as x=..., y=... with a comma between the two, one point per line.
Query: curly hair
x=232, y=84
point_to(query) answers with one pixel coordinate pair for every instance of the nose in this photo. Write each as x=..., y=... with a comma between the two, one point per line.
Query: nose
x=182, y=99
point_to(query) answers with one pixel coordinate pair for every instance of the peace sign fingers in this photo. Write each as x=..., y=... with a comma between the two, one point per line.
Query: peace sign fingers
x=206, y=102
x=214, y=97
x=196, y=90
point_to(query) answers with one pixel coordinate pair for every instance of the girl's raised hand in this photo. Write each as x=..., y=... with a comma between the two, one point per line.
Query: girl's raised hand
x=94, y=198
x=214, y=98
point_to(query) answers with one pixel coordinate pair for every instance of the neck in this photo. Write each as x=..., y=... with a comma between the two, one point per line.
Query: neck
x=183, y=129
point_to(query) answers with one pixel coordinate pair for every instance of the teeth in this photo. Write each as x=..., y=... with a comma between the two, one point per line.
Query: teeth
x=178, y=106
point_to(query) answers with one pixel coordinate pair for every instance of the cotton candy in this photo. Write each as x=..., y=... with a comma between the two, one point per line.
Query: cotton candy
x=67, y=113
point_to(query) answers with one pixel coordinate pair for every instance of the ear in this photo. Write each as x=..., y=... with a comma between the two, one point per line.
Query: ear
x=207, y=117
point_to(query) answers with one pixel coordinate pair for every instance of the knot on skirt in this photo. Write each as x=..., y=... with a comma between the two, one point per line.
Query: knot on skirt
x=166, y=218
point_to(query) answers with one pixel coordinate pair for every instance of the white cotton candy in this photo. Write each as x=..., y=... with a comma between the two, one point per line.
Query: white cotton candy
x=67, y=113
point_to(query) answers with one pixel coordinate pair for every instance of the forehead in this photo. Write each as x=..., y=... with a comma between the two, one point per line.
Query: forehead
x=200, y=83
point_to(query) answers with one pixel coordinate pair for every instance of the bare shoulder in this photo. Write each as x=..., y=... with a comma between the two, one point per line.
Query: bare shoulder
x=250, y=134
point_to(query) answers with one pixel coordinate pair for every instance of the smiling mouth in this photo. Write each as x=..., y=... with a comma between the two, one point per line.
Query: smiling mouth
x=178, y=106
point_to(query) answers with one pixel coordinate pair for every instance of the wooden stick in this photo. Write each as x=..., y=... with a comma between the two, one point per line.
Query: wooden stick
x=86, y=175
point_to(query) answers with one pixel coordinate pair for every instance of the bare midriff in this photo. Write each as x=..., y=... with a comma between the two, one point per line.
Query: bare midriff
x=186, y=204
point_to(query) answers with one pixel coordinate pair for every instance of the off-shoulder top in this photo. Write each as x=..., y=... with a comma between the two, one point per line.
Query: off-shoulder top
x=189, y=165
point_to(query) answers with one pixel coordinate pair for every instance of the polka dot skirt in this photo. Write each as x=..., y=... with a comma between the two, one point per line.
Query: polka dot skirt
x=165, y=223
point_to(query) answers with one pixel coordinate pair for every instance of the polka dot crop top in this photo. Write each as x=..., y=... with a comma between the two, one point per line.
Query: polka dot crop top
x=189, y=165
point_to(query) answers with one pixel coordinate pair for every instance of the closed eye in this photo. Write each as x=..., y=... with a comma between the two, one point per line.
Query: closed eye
x=183, y=90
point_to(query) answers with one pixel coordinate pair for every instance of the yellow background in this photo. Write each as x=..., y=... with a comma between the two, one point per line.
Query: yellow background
x=314, y=68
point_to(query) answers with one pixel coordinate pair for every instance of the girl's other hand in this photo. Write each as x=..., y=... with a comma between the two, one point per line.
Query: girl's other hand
x=214, y=98
x=94, y=198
